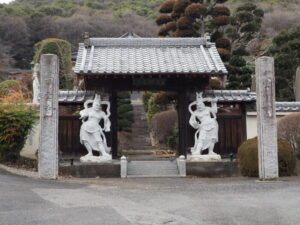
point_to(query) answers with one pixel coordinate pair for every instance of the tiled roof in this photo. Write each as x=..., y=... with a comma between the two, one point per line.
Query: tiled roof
x=75, y=96
x=148, y=56
x=231, y=95
x=288, y=106
x=222, y=95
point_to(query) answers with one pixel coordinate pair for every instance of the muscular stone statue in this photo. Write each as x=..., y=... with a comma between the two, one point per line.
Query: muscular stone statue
x=203, y=119
x=36, y=83
x=91, y=133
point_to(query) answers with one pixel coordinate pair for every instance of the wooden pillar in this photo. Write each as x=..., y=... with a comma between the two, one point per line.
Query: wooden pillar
x=183, y=122
x=114, y=124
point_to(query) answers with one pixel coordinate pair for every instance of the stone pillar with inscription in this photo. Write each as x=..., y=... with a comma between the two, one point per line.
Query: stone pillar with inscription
x=266, y=119
x=48, y=146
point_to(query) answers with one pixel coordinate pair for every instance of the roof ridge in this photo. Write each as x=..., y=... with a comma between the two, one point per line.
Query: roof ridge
x=148, y=42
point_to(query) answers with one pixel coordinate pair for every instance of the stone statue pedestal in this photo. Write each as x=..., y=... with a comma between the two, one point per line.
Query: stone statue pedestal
x=95, y=159
x=204, y=158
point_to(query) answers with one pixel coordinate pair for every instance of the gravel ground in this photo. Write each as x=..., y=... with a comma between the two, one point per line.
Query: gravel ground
x=224, y=201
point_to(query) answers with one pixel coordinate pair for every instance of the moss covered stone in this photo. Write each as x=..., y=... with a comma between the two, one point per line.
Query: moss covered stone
x=248, y=158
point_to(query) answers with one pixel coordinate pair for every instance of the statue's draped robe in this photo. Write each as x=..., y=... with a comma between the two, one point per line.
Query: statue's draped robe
x=91, y=131
x=207, y=128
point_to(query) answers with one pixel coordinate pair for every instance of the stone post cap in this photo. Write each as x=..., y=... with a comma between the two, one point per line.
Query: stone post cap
x=182, y=157
x=123, y=157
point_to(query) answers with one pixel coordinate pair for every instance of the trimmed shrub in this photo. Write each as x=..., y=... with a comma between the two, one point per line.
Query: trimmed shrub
x=289, y=128
x=146, y=95
x=220, y=10
x=125, y=111
x=221, y=20
x=215, y=84
x=248, y=158
x=237, y=61
x=247, y=7
x=171, y=26
x=152, y=108
x=184, y=23
x=62, y=49
x=164, y=98
x=163, y=127
x=16, y=121
x=167, y=6
x=223, y=43
x=7, y=86
x=180, y=5
x=162, y=19
x=163, y=31
x=184, y=33
x=225, y=54
x=195, y=10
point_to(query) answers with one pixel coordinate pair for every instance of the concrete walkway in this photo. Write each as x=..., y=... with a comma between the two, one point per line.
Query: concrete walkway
x=184, y=201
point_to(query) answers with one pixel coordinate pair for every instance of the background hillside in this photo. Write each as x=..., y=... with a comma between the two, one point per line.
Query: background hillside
x=25, y=22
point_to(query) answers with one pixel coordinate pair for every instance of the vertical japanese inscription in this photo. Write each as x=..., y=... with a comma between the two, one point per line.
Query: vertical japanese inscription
x=48, y=146
x=266, y=119
x=49, y=97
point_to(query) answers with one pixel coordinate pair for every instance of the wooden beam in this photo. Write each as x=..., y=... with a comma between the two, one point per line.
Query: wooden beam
x=183, y=122
x=114, y=124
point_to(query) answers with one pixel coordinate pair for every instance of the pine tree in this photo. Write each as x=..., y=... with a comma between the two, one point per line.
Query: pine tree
x=286, y=51
x=244, y=27
x=125, y=111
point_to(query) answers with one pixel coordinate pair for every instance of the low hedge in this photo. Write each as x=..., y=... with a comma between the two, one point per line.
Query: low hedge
x=248, y=158
x=16, y=121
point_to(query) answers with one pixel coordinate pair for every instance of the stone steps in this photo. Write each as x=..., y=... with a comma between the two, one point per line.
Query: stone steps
x=141, y=142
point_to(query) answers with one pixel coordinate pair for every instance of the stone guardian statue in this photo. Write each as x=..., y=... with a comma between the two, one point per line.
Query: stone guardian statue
x=204, y=120
x=92, y=133
x=36, y=84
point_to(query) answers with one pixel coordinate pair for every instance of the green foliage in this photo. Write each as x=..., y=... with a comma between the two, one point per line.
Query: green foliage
x=51, y=11
x=245, y=24
x=225, y=54
x=162, y=19
x=237, y=61
x=193, y=18
x=286, y=51
x=215, y=84
x=125, y=111
x=172, y=140
x=248, y=158
x=16, y=121
x=6, y=86
x=62, y=49
x=152, y=108
x=146, y=95
x=239, y=73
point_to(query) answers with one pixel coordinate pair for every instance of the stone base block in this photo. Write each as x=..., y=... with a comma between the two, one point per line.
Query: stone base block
x=212, y=169
x=204, y=158
x=92, y=170
x=95, y=159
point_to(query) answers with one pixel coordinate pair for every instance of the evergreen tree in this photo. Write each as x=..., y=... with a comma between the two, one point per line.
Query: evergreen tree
x=125, y=111
x=244, y=27
x=239, y=73
x=62, y=49
x=193, y=18
x=286, y=52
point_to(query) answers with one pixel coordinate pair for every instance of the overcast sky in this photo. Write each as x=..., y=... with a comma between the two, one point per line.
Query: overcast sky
x=5, y=1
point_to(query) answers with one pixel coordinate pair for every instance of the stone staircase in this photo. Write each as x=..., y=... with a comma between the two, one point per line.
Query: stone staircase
x=141, y=143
